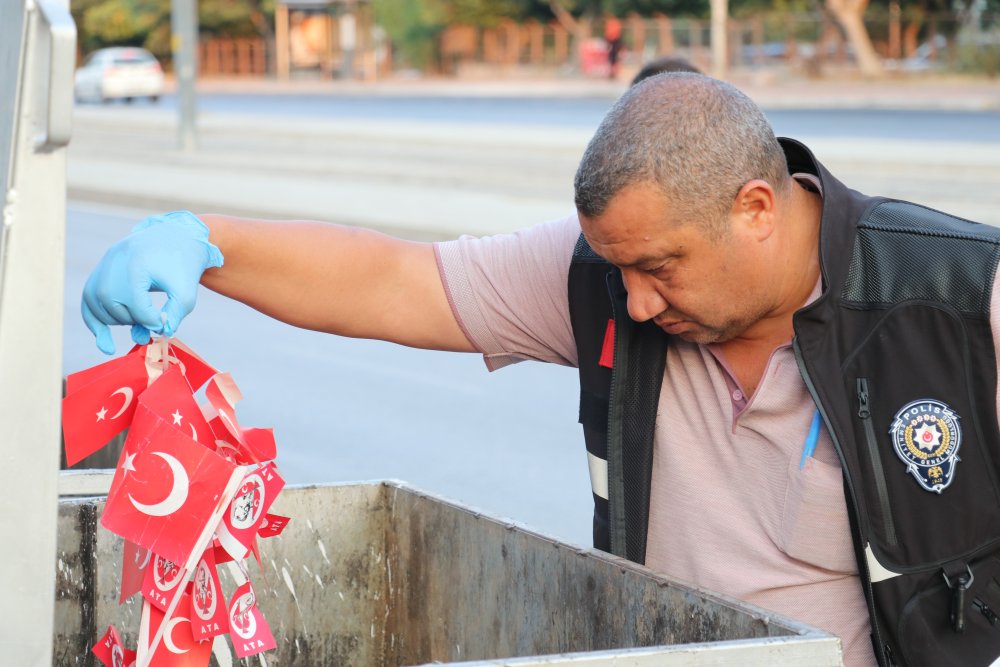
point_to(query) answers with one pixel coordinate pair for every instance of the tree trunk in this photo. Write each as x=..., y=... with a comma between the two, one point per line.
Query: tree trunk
x=850, y=14
x=565, y=19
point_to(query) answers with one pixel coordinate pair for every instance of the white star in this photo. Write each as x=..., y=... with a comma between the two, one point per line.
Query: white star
x=128, y=465
x=927, y=437
x=100, y=415
x=177, y=417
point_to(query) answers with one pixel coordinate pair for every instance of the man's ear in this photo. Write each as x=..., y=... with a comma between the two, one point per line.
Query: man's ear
x=754, y=209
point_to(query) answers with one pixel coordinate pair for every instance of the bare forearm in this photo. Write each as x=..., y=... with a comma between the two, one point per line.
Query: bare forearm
x=342, y=280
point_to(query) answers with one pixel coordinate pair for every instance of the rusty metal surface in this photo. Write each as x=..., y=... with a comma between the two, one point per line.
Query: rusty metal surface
x=383, y=575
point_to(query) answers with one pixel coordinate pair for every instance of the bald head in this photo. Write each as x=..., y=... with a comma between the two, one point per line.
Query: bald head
x=699, y=140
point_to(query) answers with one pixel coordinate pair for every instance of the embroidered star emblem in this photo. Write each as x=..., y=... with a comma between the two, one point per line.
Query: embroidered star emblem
x=927, y=437
x=102, y=413
x=177, y=417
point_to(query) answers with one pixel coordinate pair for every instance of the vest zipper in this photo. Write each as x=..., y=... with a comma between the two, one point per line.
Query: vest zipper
x=864, y=412
x=866, y=580
x=616, y=463
x=986, y=611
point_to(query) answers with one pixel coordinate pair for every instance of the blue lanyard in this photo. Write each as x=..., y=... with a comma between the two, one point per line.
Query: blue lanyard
x=811, y=439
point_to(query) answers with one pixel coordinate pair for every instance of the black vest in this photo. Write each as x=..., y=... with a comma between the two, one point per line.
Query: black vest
x=898, y=355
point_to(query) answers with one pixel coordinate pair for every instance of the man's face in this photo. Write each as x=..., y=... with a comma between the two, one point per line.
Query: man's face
x=702, y=288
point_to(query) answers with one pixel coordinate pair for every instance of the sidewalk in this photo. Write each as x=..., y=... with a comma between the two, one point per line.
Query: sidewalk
x=769, y=89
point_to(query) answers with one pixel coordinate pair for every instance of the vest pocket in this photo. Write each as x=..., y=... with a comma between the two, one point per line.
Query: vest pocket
x=926, y=631
x=923, y=426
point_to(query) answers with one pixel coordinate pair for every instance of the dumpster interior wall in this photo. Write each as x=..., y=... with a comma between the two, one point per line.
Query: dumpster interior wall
x=383, y=575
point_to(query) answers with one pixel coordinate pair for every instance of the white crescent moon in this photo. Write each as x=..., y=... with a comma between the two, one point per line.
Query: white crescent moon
x=128, y=394
x=194, y=433
x=178, y=492
x=168, y=636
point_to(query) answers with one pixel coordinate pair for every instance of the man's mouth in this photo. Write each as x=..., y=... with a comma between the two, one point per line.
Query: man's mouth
x=673, y=327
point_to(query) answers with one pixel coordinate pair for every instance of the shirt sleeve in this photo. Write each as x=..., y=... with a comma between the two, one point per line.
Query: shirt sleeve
x=509, y=292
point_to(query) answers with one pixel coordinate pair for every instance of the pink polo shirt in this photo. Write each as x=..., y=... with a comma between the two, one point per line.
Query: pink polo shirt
x=730, y=508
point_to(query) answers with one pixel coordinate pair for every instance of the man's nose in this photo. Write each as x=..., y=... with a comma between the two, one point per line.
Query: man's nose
x=644, y=301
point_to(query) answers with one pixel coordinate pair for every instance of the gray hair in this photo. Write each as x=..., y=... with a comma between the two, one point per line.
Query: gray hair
x=699, y=139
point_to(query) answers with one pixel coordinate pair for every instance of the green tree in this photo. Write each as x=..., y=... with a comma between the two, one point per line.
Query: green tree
x=146, y=23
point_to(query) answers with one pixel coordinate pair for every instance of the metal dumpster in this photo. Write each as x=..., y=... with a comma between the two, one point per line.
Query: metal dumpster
x=381, y=574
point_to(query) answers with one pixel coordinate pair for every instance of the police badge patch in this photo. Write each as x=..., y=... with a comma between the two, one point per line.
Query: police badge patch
x=926, y=436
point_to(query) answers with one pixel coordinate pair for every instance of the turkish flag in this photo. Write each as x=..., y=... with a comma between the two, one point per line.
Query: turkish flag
x=208, y=606
x=162, y=579
x=135, y=559
x=80, y=379
x=246, y=511
x=260, y=443
x=223, y=395
x=232, y=448
x=110, y=650
x=99, y=405
x=169, y=492
x=195, y=369
x=170, y=398
x=247, y=628
x=177, y=646
x=272, y=525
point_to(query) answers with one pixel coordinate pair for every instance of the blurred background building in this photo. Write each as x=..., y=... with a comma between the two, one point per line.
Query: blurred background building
x=368, y=39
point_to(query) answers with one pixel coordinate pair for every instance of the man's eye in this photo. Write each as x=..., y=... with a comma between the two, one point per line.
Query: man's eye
x=655, y=269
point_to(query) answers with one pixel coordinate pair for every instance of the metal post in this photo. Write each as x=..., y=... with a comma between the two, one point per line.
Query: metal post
x=184, y=24
x=281, y=67
x=37, y=55
x=720, y=20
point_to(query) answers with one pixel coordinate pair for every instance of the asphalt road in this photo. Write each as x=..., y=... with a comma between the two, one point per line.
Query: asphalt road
x=587, y=112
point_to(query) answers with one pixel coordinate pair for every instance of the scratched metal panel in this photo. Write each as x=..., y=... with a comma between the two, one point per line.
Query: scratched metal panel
x=473, y=588
x=382, y=575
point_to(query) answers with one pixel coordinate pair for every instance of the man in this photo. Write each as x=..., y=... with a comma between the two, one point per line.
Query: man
x=726, y=296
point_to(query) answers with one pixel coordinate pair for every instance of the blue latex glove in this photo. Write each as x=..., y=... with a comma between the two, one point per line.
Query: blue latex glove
x=164, y=253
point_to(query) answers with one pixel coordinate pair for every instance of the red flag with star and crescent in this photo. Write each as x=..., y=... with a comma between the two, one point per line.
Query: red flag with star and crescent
x=170, y=398
x=195, y=369
x=168, y=492
x=177, y=646
x=100, y=403
x=135, y=560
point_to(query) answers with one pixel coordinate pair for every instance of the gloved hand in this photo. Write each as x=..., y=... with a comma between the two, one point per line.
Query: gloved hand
x=164, y=253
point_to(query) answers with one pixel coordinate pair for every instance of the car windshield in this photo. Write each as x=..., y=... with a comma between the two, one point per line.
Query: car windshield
x=133, y=57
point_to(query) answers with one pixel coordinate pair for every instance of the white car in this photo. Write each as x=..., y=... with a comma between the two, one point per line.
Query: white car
x=121, y=72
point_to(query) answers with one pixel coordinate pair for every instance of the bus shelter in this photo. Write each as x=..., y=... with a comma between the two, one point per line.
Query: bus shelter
x=329, y=38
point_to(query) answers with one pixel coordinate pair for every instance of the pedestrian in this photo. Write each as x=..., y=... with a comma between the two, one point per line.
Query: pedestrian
x=788, y=388
x=613, y=39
